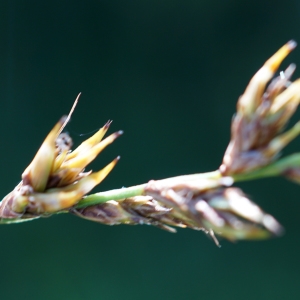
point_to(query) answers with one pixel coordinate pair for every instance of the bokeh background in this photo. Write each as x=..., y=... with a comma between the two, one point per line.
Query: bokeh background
x=168, y=72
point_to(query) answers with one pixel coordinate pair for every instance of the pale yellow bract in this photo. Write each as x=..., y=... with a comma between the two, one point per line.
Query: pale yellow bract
x=55, y=180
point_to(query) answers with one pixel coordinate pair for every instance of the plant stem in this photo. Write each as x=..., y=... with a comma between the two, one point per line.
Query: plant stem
x=274, y=169
x=138, y=190
x=117, y=194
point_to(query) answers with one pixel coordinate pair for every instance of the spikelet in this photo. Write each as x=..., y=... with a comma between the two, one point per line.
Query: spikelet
x=55, y=180
x=262, y=113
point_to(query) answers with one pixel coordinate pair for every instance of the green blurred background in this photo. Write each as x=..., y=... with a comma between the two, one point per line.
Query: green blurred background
x=168, y=73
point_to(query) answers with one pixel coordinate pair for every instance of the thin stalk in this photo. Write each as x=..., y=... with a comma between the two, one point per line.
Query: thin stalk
x=274, y=169
x=138, y=190
x=117, y=194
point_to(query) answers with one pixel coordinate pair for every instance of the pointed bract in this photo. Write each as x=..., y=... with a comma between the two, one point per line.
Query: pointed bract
x=37, y=173
x=55, y=180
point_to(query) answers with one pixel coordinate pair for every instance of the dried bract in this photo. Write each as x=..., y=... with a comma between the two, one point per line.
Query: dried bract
x=224, y=211
x=262, y=112
x=134, y=211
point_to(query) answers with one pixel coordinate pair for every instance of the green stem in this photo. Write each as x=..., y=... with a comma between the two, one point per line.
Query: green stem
x=117, y=194
x=138, y=190
x=274, y=169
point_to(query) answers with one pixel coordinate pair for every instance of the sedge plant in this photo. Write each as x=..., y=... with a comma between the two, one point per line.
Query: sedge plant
x=56, y=181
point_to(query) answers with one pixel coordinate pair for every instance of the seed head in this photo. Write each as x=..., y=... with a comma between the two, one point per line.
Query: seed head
x=199, y=204
x=55, y=180
x=262, y=113
x=225, y=211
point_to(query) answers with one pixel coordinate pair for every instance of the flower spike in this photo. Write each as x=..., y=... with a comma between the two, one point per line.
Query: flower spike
x=262, y=113
x=55, y=180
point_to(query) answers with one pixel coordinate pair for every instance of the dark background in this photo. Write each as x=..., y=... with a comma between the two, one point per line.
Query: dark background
x=168, y=73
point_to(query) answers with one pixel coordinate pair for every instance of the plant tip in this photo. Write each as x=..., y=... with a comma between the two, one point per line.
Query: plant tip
x=292, y=44
x=107, y=124
x=63, y=119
